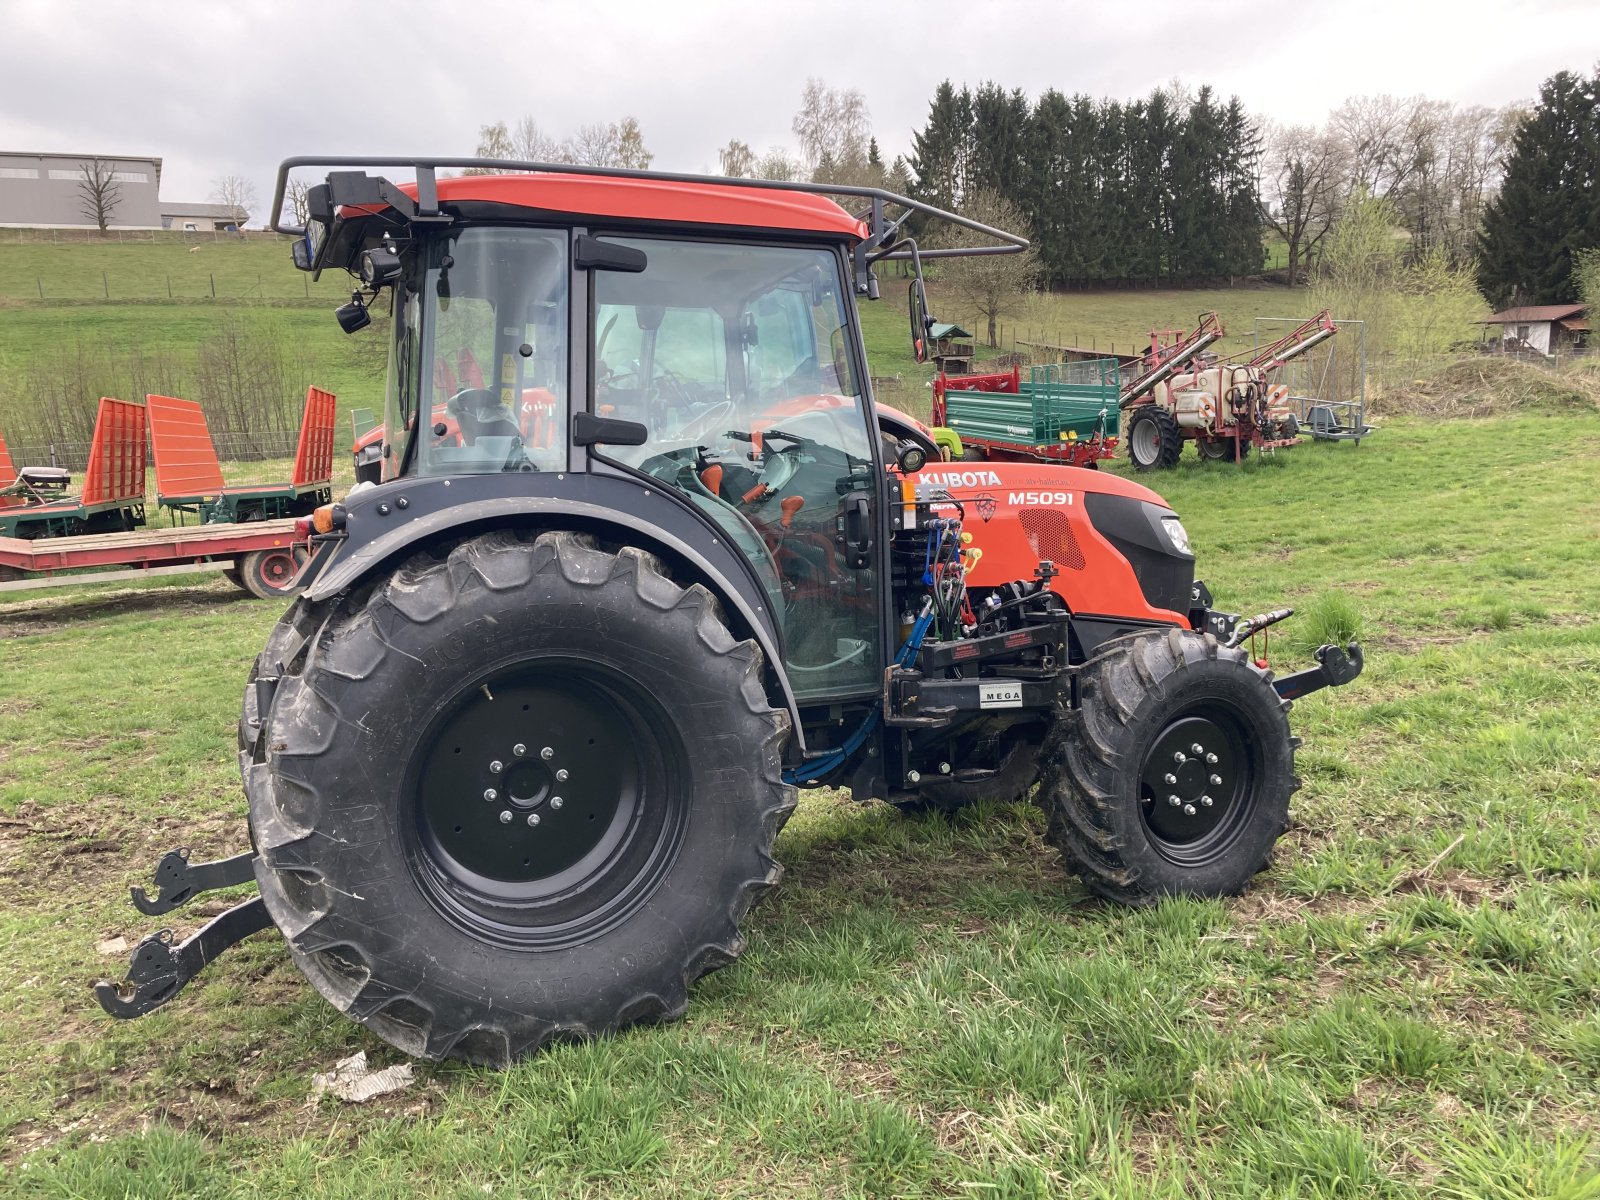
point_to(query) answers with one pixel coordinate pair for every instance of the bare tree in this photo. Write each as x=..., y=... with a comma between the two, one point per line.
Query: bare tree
x=833, y=126
x=1302, y=188
x=778, y=164
x=99, y=192
x=527, y=141
x=294, y=198
x=991, y=283
x=237, y=194
x=1379, y=134
x=737, y=160
x=595, y=145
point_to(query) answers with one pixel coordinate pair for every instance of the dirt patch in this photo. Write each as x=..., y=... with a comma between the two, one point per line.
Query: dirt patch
x=1489, y=386
x=35, y=617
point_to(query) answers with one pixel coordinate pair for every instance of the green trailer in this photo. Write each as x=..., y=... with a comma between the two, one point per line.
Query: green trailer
x=1062, y=412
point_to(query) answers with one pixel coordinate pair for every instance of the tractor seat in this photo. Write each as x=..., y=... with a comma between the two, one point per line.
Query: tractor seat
x=45, y=479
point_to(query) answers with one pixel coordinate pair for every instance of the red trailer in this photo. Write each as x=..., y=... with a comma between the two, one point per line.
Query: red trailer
x=262, y=557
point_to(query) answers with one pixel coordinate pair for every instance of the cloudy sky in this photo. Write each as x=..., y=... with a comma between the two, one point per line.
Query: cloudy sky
x=221, y=87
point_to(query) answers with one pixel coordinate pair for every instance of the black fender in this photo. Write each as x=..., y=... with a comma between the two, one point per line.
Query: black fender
x=387, y=522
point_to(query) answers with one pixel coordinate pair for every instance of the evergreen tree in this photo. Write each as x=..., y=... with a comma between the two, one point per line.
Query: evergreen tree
x=939, y=152
x=1549, y=205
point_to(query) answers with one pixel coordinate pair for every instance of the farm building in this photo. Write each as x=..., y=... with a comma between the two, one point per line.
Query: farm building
x=202, y=218
x=1541, y=329
x=46, y=191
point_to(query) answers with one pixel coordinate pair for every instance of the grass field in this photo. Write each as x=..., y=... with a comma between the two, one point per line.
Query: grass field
x=1405, y=1005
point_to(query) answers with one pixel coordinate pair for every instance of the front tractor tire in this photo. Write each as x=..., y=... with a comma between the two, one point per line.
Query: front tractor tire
x=1154, y=440
x=527, y=790
x=1173, y=778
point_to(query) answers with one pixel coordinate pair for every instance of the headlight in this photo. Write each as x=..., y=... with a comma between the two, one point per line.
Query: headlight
x=1177, y=534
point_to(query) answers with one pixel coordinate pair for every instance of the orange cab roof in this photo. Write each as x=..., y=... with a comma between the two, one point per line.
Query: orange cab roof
x=655, y=200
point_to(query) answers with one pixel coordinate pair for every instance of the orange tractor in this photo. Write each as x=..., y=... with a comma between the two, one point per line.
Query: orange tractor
x=517, y=756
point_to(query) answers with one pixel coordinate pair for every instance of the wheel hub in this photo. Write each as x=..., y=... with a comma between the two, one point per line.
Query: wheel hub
x=1193, y=786
x=539, y=801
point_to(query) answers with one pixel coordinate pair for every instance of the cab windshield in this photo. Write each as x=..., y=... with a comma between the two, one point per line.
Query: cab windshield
x=479, y=374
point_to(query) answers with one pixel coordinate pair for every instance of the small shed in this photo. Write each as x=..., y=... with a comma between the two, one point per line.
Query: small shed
x=952, y=348
x=1539, y=328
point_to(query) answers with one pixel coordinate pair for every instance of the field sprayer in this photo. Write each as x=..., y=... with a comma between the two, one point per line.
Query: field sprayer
x=1065, y=412
x=517, y=757
x=1225, y=408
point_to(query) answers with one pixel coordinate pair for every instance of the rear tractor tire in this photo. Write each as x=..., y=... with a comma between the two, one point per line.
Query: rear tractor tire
x=523, y=792
x=1174, y=777
x=1154, y=440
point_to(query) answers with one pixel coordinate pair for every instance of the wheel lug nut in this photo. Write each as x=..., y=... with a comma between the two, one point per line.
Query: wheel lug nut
x=1178, y=756
x=1212, y=759
x=490, y=795
x=1188, y=810
x=496, y=767
x=561, y=775
x=1197, y=749
x=1169, y=778
x=1173, y=801
x=556, y=801
x=547, y=754
x=505, y=816
x=533, y=819
x=1216, y=781
x=519, y=749
x=1205, y=801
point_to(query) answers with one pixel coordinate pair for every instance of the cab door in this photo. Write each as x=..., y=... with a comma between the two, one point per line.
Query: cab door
x=734, y=358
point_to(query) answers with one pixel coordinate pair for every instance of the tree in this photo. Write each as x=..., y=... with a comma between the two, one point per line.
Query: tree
x=296, y=200
x=940, y=149
x=1546, y=210
x=1586, y=274
x=99, y=193
x=1302, y=177
x=991, y=283
x=237, y=194
x=832, y=124
x=737, y=160
x=531, y=144
x=777, y=164
x=630, y=151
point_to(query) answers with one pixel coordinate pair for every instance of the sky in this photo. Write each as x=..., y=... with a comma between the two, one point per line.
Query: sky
x=231, y=87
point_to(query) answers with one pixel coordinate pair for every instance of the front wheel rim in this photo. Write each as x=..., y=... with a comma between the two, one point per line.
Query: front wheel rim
x=545, y=803
x=1198, y=787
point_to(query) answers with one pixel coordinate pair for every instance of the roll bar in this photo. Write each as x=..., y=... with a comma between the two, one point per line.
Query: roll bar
x=884, y=239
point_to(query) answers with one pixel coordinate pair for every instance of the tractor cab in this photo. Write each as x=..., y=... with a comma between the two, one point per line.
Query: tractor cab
x=693, y=338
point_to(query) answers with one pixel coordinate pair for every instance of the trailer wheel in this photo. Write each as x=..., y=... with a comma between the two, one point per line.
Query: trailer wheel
x=522, y=792
x=267, y=574
x=1174, y=776
x=1154, y=440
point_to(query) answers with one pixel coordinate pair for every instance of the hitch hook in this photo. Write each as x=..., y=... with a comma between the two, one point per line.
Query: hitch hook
x=177, y=882
x=159, y=970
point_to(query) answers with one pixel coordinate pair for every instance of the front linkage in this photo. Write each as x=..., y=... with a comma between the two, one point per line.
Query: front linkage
x=159, y=969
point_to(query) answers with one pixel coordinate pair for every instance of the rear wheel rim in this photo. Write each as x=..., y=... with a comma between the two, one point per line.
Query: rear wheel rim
x=1198, y=786
x=1146, y=442
x=585, y=763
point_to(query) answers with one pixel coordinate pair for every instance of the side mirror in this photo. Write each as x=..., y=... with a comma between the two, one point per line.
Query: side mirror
x=918, y=305
x=300, y=252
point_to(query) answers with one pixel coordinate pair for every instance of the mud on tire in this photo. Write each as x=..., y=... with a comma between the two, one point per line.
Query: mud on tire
x=1111, y=770
x=406, y=898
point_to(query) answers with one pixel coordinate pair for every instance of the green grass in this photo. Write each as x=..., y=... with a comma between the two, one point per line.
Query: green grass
x=1403, y=1006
